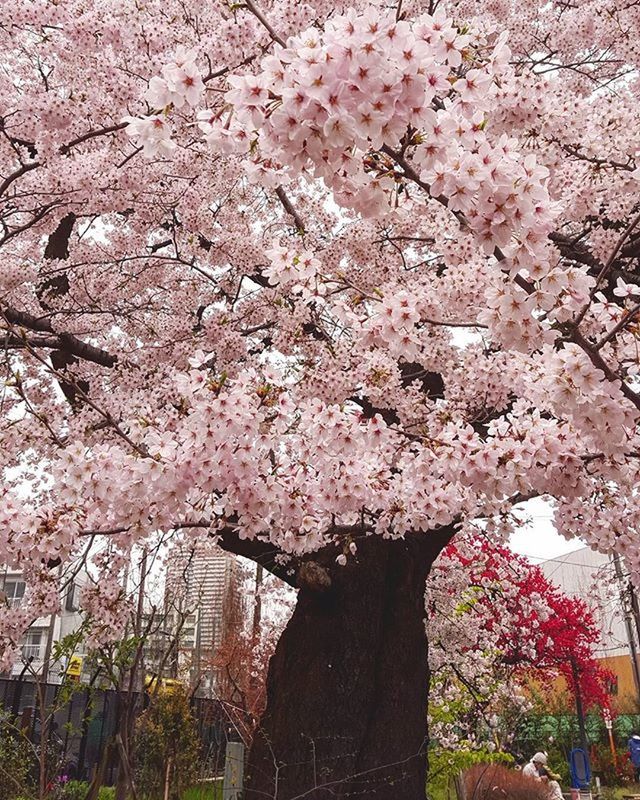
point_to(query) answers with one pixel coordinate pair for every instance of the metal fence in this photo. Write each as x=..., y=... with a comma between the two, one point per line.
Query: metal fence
x=83, y=725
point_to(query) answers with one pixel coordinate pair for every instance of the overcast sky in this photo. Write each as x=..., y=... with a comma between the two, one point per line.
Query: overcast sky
x=539, y=540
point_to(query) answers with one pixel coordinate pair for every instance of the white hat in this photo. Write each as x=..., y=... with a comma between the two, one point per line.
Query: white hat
x=540, y=758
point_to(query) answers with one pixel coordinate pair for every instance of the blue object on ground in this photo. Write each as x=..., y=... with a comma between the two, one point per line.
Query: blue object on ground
x=580, y=768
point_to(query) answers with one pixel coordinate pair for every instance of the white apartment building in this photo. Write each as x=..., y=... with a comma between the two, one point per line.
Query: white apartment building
x=590, y=575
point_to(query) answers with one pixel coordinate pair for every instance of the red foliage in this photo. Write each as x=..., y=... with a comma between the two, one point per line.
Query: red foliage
x=564, y=638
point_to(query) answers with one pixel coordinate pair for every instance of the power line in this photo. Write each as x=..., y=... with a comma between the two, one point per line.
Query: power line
x=562, y=560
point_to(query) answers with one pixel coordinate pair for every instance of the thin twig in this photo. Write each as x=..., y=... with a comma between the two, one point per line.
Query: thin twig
x=264, y=22
x=628, y=317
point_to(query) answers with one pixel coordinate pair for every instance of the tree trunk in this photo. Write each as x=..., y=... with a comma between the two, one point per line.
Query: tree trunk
x=347, y=687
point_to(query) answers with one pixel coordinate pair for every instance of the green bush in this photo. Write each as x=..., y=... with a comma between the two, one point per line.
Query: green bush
x=16, y=760
x=77, y=790
x=73, y=790
x=166, y=747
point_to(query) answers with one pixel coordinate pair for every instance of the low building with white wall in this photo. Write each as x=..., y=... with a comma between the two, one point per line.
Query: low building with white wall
x=38, y=642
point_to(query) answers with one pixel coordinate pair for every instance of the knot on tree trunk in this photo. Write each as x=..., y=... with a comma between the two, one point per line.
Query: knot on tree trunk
x=314, y=577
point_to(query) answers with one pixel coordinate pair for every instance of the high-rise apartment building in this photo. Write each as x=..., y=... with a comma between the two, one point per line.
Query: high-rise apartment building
x=203, y=604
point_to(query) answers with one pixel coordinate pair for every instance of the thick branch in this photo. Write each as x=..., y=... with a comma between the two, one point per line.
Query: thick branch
x=62, y=341
x=92, y=135
x=258, y=550
x=575, y=251
x=288, y=207
x=23, y=169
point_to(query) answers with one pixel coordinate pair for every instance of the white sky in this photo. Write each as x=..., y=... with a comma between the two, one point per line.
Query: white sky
x=539, y=540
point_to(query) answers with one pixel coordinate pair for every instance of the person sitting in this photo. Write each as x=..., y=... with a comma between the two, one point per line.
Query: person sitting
x=534, y=768
x=538, y=770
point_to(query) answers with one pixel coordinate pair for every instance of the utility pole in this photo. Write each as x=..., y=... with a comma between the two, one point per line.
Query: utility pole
x=138, y=665
x=51, y=629
x=579, y=706
x=635, y=607
x=627, y=610
x=46, y=661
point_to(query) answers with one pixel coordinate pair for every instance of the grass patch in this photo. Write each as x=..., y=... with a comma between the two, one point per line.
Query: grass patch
x=620, y=791
x=211, y=790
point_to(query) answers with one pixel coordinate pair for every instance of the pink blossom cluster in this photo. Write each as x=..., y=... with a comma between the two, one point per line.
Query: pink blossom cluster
x=363, y=83
x=105, y=607
x=335, y=104
x=181, y=84
x=340, y=268
x=287, y=266
x=581, y=392
x=152, y=134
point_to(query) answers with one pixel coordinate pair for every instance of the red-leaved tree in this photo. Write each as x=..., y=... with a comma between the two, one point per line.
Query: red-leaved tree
x=501, y=632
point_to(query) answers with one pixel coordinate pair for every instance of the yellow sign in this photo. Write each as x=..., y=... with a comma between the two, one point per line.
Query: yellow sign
x=167, y=685
x=74, y=667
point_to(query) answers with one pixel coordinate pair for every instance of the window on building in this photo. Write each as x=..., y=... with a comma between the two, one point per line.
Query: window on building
x=612, y=685
x=14, y=591
x=31, y=645
x=71, y=602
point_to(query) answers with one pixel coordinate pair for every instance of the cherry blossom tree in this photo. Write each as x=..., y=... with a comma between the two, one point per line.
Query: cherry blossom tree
x=328, y=283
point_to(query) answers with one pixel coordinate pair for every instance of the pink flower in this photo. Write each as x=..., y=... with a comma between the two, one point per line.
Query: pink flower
x=152, y=134
x=626, y=289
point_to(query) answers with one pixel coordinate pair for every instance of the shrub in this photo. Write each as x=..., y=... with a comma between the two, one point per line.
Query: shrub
x=602, y=766
x=77, y=790
x=16, y=761
x=73, y=790
x=495, y=782
x=166, y=746
x=444, y=765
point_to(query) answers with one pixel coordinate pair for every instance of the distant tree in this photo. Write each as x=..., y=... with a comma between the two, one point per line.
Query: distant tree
x=497, y=625
x=167, y=746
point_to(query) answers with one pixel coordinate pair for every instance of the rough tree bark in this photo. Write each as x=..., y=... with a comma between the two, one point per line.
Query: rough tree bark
x=348, y=683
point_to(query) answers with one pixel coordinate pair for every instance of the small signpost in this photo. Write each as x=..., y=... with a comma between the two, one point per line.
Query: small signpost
x=609, y=726
x=233, y=771
x=74, y=668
